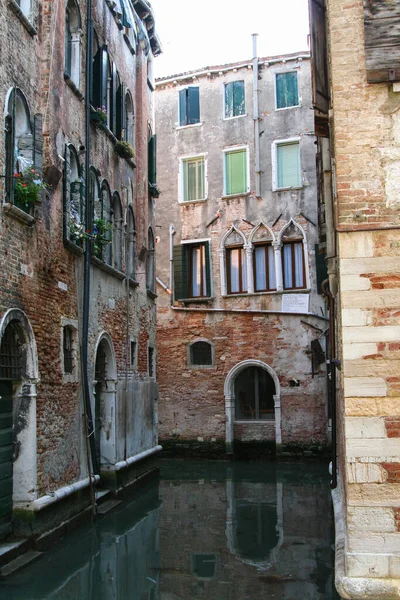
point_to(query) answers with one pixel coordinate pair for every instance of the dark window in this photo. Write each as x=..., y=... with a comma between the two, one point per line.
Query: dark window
x=203, y=565
x=117, y=232
x=287, y=93
x=189, y=106
x=133, y=353
x=192, y=272
x=152, y=160
x=234, y=99
x=151, y=365
x=131, y=258
x=293, y=265
x=264, y=268
x=11, y=353
x=150, y=262
x=236, y=270
x=201, y=354
x=68, y=350
x=74, y=198
x=100, y=90
x=254, y=395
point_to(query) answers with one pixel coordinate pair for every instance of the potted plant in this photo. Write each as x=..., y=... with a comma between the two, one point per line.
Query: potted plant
x=99, y=115
x=124, y=149
x=101, y=236
x=27, y=188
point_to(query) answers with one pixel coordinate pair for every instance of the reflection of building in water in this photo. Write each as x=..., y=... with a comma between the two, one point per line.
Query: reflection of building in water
x=244, y=532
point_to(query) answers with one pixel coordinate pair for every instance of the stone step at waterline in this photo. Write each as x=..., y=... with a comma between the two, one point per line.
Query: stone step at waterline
x=13, y=548
x=107, y=506
x=19, y=563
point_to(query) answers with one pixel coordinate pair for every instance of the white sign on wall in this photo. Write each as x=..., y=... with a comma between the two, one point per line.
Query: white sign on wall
x=296, y=303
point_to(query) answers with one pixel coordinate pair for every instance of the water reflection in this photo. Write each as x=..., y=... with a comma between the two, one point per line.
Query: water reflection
x=205, y=530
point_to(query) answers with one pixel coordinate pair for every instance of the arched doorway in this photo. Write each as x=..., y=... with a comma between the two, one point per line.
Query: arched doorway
x=105, y=386
x=18, y=377
x=252, y=393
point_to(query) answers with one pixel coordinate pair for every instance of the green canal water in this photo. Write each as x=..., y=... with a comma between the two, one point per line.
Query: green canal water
x=201, y=531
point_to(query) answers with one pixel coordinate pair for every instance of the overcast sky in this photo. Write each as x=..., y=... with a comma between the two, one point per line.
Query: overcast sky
x=203, y=33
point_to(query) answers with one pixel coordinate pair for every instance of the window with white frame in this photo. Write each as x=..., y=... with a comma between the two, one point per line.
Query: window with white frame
x=286, y=164
x=234, y=99
x=235, y=264
x=293, y=263
x=73, y=33
x=287, y=90
x=193, y=179
x=236, y=176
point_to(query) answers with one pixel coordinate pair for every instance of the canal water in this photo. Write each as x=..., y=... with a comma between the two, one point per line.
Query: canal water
x=201, y=531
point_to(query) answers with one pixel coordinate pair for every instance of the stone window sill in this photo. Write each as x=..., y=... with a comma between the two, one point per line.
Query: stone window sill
x=271, y=293
x=114, y=140
x=152, y=294
x=180, y=127
x=74, y=248
x=207, y=300
x=18, y=214
x=24, y=20
x=254, y=421
x=73, y=87
x=233, y=196
x=107, y=268
x=133, y=283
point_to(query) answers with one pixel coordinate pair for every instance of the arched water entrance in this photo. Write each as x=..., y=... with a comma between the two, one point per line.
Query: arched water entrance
x=105, y=388
x=18, y=378
x=252, y=393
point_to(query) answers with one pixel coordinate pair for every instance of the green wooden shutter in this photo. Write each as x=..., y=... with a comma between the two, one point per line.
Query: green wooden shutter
x=235, y=172
x=96, y=80
x=321, y=268
x=193, y=105
x=66, y=194
x=208, y=268
x=287, y=93
x=228, y=100
x=120, y=117
x=113, y=107
x=238, y=98
x=37, y=156
x=180, y=272
x=183, y=107
x=152, y=158
x=288, y=164
x=10, y=152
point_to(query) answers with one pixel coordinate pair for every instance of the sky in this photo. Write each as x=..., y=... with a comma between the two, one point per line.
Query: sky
x=203, y=33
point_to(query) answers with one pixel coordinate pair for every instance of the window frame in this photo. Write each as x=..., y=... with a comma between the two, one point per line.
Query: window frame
x=184, y=262
x=243, y=260
x=244, y=114
x=73, y=54
x=266, y=246
x=292, y=243
x=187, y=108
x=184, y=160
x=151, y=362
x=233, y=150
x=277, y=73
x=274, y=156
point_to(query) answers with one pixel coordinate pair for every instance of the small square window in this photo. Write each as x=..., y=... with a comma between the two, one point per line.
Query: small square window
x=287, y=90
x=234, y=99
x=201, y=354
x=236, y=176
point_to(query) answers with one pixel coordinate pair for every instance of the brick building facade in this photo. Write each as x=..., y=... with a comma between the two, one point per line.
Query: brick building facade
x=241, y=325
x=356, y=58
x=77, y=308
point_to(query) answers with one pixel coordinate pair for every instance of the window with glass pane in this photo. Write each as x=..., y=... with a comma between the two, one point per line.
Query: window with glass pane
x=235, y=172
x=193, y=179
x=234, y=99
x=254, y=395
x=201, y=354
x=197, y=271
x=236, y=270
x=293, y=266
x=189, y=106
x=288, y=165
x=264, y=268
x=287, y=90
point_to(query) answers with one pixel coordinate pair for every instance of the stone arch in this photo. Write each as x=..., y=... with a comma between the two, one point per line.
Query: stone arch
x=257, y=228
x=229, y=393
x=294, y=224
x=104, y=408
x=24, y=410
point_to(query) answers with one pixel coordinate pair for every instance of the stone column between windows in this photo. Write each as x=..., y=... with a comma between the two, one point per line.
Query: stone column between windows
x=277, y=246
x=229, y=412
x=76, y=56
x=249, y=263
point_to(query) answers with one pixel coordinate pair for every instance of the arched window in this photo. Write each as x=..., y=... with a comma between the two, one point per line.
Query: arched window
x=23, y=157
x=101, y=80
x=74, y=198
x=131, y=244
x=293, y=264
x=130, y=120
x=201, y=354
x=150, y=283
x=264, y=269
x=236, y=263
x=73, y=33
x=254, y=394
x=102, y=227
x=116, y=232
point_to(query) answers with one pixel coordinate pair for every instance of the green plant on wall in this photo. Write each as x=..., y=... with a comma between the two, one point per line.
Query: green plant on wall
x=27, y=188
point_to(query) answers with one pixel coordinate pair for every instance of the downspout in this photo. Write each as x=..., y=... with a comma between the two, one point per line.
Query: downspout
x=128, y=349
x=171, y=262
x=256, y=118
x=332, y=377
x=88, y=221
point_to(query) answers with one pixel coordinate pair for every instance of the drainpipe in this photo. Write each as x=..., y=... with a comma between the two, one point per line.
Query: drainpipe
x=88, y=220
x=128, y=345
x=332, y=376
x=171, y=262
x=256, y=117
